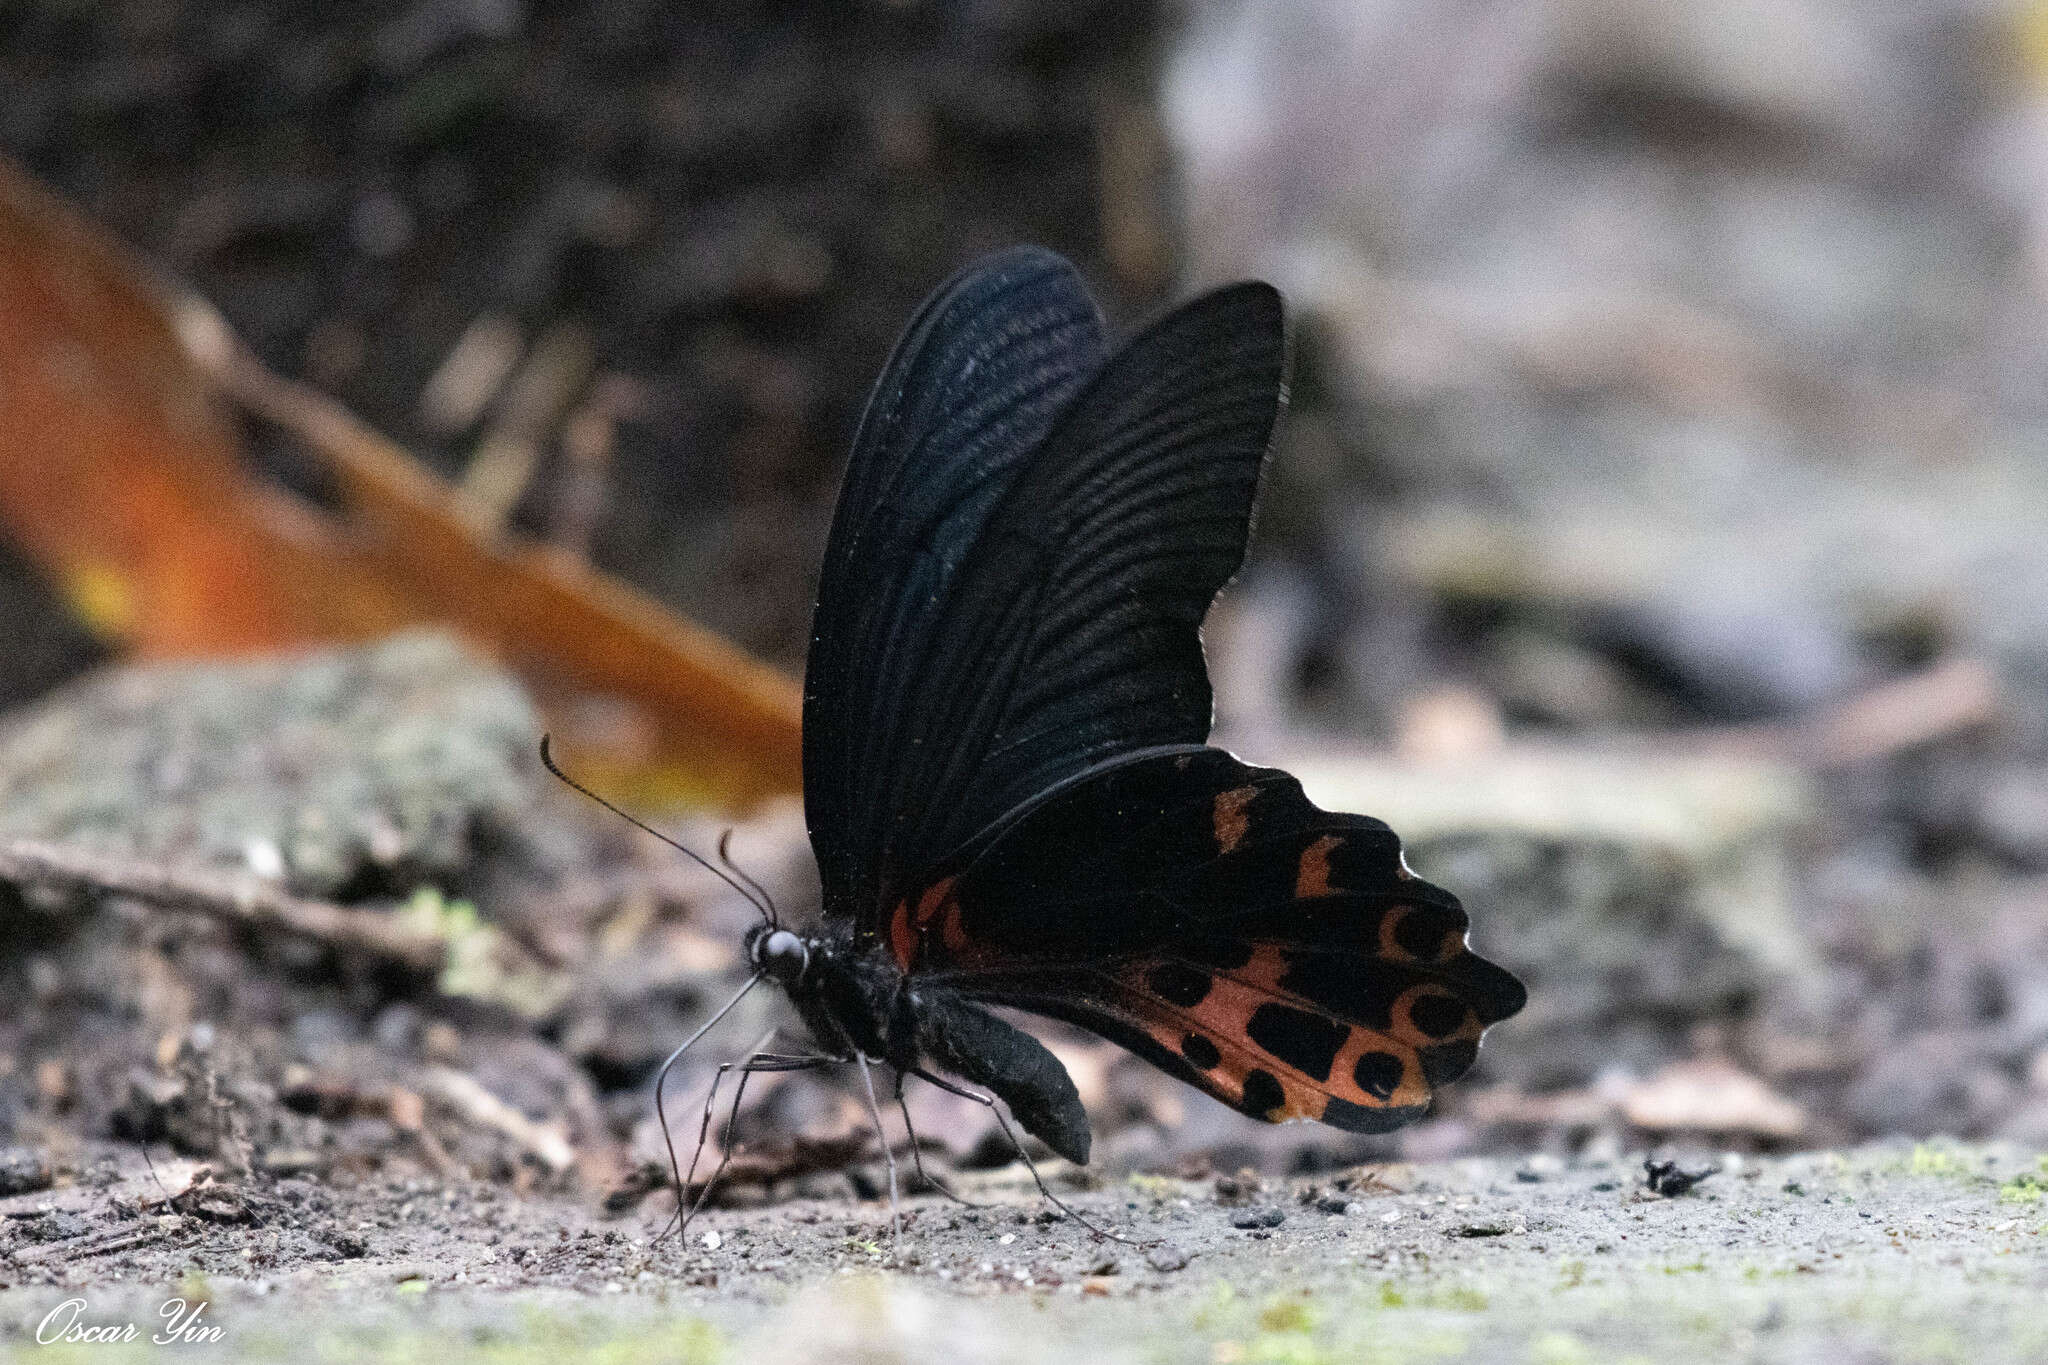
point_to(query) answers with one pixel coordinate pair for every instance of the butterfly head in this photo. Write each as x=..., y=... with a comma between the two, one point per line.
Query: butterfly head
x=778, y=954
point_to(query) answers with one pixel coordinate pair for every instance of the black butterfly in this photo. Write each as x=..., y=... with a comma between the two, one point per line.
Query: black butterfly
x=1005, y=713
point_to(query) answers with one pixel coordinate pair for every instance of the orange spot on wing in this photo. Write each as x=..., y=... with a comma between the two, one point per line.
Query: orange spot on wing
x=1312, y=879
x=1267, y=964
x=1413, y=1089
x=1391, y=949
x=1231, y=818
x=951, y=932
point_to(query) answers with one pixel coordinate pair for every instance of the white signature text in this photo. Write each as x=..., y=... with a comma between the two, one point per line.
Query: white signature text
x=184, y=1324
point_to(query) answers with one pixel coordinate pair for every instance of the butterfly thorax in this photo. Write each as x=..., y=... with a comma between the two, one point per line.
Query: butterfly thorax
x=851, y=1000
x=855, y=998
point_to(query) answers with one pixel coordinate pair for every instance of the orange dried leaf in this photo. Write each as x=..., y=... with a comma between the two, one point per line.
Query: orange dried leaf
x=120, y=474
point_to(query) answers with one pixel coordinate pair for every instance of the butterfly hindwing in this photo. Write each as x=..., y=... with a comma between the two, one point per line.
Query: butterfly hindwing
x=1259, y=1049
x=1207, y=915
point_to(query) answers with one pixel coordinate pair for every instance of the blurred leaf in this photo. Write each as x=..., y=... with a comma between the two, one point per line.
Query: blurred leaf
x=120, y=475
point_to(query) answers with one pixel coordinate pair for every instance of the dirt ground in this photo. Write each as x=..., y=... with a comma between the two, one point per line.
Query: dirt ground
x=1881, y=1254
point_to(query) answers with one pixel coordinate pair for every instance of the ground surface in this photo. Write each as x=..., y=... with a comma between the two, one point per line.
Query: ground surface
x=1922, y=1253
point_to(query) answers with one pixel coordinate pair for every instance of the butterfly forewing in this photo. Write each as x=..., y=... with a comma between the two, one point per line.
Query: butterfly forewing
x=981, y=374
x=1076, y=621
x=1038, y=612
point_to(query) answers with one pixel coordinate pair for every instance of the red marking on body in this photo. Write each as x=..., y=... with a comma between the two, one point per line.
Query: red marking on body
x=951, y=932
x=902, y=937
x=935, y=896
x=908, y=924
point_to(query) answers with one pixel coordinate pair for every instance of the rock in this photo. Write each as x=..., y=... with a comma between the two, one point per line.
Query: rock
x=378, y=765
x=1166, y=1257
x=23, y=1171
x=2012, y=812
x=60, y=1226
x=345, y=1245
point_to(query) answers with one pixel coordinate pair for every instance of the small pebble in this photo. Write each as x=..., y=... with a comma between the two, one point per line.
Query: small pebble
x=1259, y=1218
x=1665, y=1177
x=23, y=1171
x=1166, y=1256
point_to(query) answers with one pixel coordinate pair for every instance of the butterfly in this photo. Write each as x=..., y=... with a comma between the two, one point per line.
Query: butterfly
x=1007, y=780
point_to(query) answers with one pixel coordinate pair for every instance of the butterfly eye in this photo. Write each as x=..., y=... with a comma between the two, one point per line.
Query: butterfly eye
x=782, y=955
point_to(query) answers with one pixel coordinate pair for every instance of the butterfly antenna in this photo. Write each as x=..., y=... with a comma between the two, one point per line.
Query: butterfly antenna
x=675, y=1167
x=767, y=900
x=548, y=761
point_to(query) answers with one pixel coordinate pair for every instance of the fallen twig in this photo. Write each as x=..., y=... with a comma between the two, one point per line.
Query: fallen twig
x=96, y=1244
x=1945, y=698
x=468, y=1097
x=1942, y=699
x=247, y=900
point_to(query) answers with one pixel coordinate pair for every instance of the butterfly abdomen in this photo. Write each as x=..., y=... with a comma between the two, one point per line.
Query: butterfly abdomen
x=978, y=1047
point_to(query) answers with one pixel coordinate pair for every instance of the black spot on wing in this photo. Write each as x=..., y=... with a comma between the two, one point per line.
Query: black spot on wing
x=1423, y=929
x=1178, y=984
x=1439, y=1016
x=1307, y=1042
x=1443, y=1063
x=1262, y=1093
x=1200, y=1051
x=1363, y=1118
x=1348, y=985
x=1224, y=954
x=1378, y=1073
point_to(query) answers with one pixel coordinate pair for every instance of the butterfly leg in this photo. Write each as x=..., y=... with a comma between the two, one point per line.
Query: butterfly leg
x=755, y=1061
x=917, y=1157
x=1045, y=1190
x=882, y=1137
